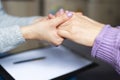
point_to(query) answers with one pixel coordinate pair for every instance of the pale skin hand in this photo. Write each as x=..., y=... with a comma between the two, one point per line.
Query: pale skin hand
x=45, y=29
x=80, y=29
x=40, y=19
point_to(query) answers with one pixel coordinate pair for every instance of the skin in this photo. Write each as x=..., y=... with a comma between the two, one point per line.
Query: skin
x=80, y=29
x=54, y=28
x=45, y=29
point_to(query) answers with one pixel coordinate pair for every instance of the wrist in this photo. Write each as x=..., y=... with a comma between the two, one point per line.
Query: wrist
x=26, y=32
x=97, y=32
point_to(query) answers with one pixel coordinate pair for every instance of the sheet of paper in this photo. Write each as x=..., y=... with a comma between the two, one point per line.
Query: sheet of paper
x=59, y=61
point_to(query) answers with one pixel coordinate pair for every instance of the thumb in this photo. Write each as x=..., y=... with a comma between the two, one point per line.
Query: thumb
x=64, y=34
x=59, y=20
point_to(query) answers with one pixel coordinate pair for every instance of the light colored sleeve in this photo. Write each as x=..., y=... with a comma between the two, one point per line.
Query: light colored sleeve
x=10, y=34
x=10, y=37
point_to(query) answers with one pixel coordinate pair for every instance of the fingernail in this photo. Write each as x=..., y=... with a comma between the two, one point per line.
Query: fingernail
x=61, y=10
x=69, y=14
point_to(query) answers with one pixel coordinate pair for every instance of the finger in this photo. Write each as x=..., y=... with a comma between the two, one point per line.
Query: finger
x=51, y=16
x=37, y=20
x=57, y=40
x=41, y=19
x=60, y=12
x=59, y=20
x=79, y=13
x=64, y=34
x=66, y=11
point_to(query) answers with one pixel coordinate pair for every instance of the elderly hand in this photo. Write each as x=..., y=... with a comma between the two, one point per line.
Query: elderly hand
x=80, y=29
x=45, y=29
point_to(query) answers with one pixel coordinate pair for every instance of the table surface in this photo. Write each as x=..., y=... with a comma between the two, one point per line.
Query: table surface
x=59, y=61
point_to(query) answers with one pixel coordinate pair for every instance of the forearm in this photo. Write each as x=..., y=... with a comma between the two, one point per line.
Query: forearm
x=10, y=38
x=106, y=46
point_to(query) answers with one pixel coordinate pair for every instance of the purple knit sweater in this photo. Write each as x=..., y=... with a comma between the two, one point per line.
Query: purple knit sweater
x=107, y=46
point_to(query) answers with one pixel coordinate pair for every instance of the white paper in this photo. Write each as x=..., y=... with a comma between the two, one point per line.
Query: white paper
x=59, y=61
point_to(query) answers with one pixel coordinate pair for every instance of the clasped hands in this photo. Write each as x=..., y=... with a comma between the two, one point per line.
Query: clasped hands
x=65, y=24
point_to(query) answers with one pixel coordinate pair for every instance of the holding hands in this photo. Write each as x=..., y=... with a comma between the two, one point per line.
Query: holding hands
x=70, y=25
x=80, y=29
x=45, y=29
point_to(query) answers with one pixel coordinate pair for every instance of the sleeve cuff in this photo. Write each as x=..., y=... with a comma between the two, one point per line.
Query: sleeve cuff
x=10, y=37
x=105, y=47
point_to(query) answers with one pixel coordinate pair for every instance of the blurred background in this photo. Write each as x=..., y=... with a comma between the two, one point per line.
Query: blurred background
x=105, y=11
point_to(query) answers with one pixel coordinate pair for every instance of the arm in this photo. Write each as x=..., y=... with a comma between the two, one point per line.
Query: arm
x=107, y=46
x=41, y=30
x=104, y=38
x=10, y=37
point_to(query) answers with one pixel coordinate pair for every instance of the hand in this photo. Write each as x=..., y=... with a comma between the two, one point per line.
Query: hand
x=59, y=13
x=40, y=19
x=80, y=29
x=45, y=30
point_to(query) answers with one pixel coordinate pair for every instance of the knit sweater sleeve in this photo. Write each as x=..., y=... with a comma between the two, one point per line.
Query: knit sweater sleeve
x=10, y=37
x=107, y=46
x=10, y=34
